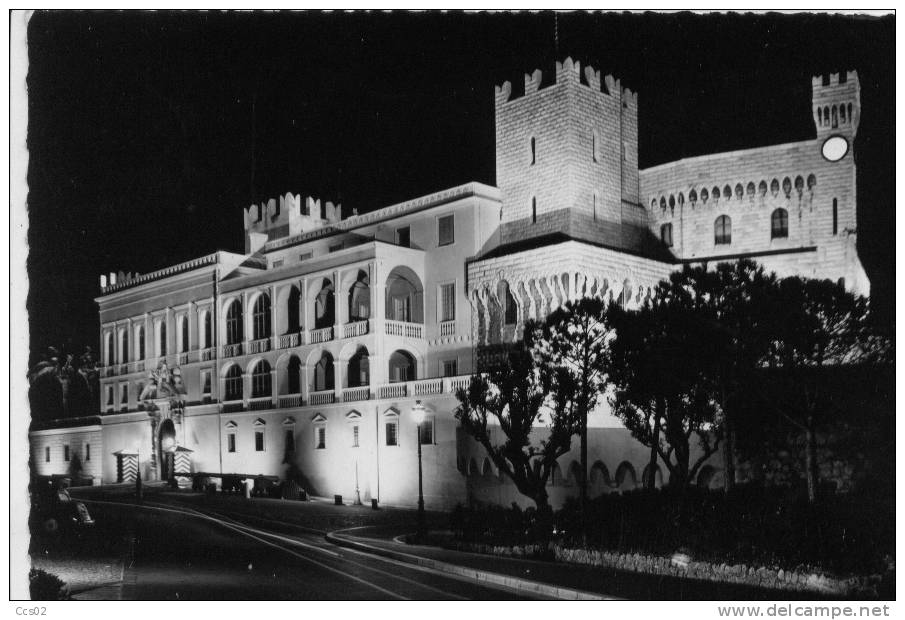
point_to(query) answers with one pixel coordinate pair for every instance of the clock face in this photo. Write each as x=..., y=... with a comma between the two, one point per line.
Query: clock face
x=834, y=148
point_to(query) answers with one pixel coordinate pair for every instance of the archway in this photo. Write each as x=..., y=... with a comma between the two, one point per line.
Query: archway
x=402, y=366
x=404, y=296
x=325, y=306
x=359, y=369
x=166, y=448
x=360, y=298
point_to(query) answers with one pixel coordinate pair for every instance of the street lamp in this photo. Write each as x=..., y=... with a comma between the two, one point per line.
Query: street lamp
x=418, y=417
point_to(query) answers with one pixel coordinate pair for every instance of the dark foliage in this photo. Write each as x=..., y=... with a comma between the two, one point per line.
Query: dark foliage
x=42, y=586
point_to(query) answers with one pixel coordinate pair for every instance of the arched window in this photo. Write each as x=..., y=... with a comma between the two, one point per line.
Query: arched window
x=323, y=373
x=233, y=384
x=184, y=340
x=533, y=210
x=324, y=306
x=812, y=182
x=787, y=186
x=124, y=346
x=208, y=330
x=715, y=193
x=294, y=368
x=533, y=151
x=359, y=368
x=260, y=380
x=141, y=343
x=774, y=187
x=510, y=315
x=820, y=116
x=111, y=350
x=842, y=113
x=835, y=216
x=261, y=317
x=666, y=234
x=779, y=224
x=693, y=196
x=727, y=192
x=360, y=298
x=835, y=118
x=293, y=324
x=402, y=367
x=739, y=191
x=722, y=230
x=163, y=338
x=234, y=323
x=594, y=146
x=762, y=188
x=850, y=118
x=705, y=195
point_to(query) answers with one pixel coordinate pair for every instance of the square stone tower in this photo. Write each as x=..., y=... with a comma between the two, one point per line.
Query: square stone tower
x=567, y=159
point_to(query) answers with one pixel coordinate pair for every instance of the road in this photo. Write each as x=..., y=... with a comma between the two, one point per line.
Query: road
x=178, y=552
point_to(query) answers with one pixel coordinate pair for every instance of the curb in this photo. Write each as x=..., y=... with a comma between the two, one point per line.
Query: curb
x=517, y=584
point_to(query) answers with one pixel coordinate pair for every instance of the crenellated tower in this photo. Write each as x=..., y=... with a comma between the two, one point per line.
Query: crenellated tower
x=836, y=104
x=567, y=158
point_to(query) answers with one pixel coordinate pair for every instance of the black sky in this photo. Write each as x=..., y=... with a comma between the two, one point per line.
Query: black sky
x=149, y=132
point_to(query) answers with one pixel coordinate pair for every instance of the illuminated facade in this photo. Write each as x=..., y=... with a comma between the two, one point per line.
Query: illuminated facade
x=314, y=344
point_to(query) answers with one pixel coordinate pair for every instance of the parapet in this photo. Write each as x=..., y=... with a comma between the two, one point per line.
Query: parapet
x=833, y=79
x=569, y=72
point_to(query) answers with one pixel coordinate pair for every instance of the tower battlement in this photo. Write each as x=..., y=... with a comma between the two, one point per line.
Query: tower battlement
x=567, y=72
x=286, y=216
x=836, y=103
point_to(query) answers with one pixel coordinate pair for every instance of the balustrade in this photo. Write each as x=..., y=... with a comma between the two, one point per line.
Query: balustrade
x=259, y=346
x=232, y=406
x=324, y=334
x=257, y=404
x=289, y=400
x=393, y=390
x=448, y=328
x=232, y=350
x=207, y=354
x=406, y=330
x=428, y=386
x=358, y=328
x=356, y=393
x=321, y=398
x=288, y=341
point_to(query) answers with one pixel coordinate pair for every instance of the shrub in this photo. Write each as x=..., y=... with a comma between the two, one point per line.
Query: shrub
x=43, y=586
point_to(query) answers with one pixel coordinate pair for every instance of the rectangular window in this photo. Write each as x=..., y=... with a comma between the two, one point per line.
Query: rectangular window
x=231, y=442
x=87, y=452
x=321, y=434
x=450, y=368
x=305, y=256
x=109, y=395
x=426, y=432
x=336, y=248
x=277, y=264
x=403, y=237
x=124, y=394
x=46, y=454
x=205, y=382
x=393, y=433
x=66, y=453
x=290, y=441
x=259, y=441
x=355, y=436
x=446, y=230
x=666, y=234
x=447, y=302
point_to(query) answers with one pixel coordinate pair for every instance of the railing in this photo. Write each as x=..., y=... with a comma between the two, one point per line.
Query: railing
x=356, y=393
x=183, y=359
x=392, y=390
x=233, y=406
x=358, y=328
x=323, y=334
x=259, y=346
x=321, y=398
x=207, y=354
x=407, y=330
x=108, y=371
x=448, y=328
x=136, y=366
x=453, y=384
x=428, y=386
x=288, y=341
x=232, y=350
x=123, y=369
x=289, y=400
x=257, y=404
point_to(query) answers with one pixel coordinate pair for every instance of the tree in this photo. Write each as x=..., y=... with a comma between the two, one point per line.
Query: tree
x=821, y=326
x=739, y=302
x=574, y=338
x=520, y=399
x=63, y=385
x=657, y=367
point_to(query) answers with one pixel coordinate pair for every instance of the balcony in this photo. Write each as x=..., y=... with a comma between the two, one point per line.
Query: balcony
x=138, y=366
x=448, y=328
x=350, y=395
x=325, y=397
x=183, y=359
x=108, y=371
x=406, y=330
x=358, y=328
x=258, y=404
x=289, y=400
x=207, y=355
x=233, y=406
x=261, y=345
x=289, y=341
x=424, y=387
x=232, y=350
x=325, y=334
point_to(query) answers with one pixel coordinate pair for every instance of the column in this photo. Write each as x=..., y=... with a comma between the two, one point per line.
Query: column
x=246, y=387
x=274, y=386
x=247, y=332
x=130, y=335
x=149, y=338
x=303, y=382
x=273, y=317
x=377, y=369
x=191, y=315
x=337, y=307
x=303, y=305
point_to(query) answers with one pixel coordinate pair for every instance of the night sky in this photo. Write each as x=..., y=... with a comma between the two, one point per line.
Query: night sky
x=149, y=132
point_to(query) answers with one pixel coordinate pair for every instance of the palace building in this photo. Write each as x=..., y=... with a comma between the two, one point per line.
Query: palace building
x=314, y=345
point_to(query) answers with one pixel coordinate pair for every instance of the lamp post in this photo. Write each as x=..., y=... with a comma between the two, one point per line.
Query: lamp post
x=418, y=417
